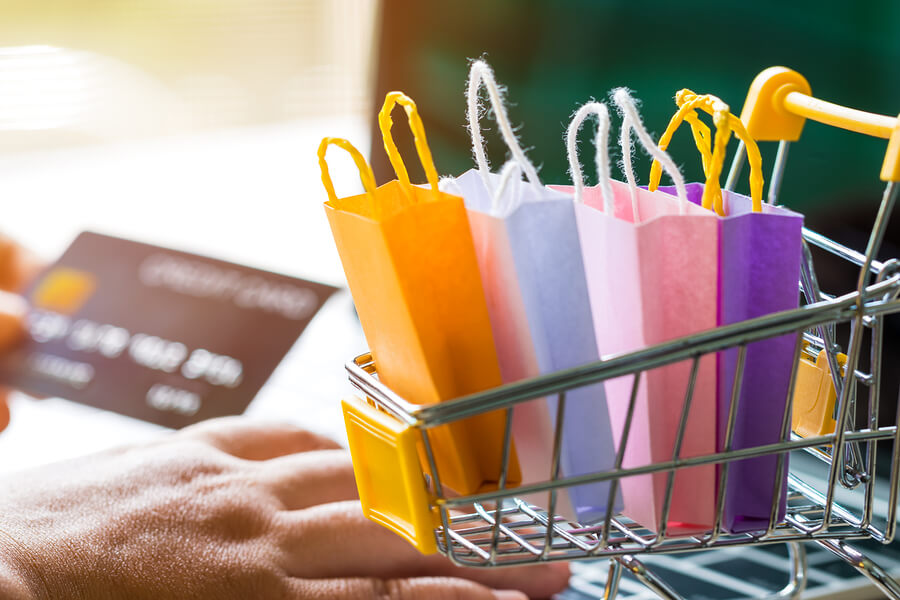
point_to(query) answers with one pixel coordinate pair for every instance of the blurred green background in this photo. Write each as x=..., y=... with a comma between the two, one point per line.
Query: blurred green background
x=552, y=56
x=555, y=55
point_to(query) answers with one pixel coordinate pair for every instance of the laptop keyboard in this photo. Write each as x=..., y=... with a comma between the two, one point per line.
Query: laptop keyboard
x=744, y=572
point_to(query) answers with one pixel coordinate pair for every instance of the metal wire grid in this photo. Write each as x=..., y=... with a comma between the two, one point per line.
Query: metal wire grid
x=497, y=528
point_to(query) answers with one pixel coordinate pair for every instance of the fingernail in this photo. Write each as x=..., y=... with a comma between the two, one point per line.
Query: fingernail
x=509, y=595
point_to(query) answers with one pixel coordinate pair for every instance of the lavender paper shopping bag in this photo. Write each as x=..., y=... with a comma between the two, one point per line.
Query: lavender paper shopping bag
x=759, y=256
x=651, y=269
x=530, y=258
x=759, y=268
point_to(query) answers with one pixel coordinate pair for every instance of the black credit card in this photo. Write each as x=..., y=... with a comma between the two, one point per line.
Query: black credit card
x=161, y=335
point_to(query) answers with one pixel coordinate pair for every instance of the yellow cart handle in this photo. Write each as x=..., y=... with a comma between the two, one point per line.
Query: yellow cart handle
x=839, y=116
x=780, y=100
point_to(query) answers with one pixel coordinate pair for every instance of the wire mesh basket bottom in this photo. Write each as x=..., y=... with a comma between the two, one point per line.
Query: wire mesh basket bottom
x=497, y=528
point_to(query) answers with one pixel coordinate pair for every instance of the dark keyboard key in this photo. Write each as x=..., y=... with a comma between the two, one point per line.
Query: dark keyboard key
x=839, y=568
x=782, y=549
x=776, y=549
x=690, y=587
x=753, y=572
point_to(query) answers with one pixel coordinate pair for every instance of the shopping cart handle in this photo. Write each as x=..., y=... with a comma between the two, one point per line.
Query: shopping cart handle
x=780, y=100
x=836, y=115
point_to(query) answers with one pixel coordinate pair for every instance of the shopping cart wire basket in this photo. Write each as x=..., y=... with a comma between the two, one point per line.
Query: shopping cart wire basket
x=400, y=486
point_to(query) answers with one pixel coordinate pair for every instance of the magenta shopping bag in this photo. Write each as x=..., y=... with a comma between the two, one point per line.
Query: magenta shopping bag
x=759, y=269
x=651, y=269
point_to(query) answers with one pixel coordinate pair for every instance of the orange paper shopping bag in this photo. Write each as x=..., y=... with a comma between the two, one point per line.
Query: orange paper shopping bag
x=410, y=263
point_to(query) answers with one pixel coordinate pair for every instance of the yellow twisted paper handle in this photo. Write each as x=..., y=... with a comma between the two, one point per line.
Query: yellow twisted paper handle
x=701, y=133
x=725, y=122
x=753, y=155
x=415, y=124
x=365, y=171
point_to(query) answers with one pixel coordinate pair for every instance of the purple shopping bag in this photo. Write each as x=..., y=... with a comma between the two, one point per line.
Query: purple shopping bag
x=759, y=269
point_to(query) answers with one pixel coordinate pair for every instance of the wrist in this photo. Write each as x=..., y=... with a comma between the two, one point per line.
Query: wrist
x=14, y=584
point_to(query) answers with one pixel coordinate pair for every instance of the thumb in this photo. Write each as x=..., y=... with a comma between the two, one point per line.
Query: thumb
x=416, y=588
x=12, y=331
x=18, y=265
x=12, y=323
x=4, y=408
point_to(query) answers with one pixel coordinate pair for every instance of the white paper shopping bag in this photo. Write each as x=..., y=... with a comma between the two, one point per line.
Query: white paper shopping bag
x=530, y=256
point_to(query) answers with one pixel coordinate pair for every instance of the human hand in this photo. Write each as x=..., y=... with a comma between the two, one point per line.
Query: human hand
x=223, y=510
x=18, y=267
x=12, y=312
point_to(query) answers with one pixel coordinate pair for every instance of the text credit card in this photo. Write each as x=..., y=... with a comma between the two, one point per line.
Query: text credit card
x=157, y=334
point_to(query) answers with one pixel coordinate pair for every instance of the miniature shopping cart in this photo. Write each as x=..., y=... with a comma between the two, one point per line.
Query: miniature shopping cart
x=400, y=486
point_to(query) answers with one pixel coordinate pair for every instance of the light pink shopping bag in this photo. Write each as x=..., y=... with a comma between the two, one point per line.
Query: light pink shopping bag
x=651, y=265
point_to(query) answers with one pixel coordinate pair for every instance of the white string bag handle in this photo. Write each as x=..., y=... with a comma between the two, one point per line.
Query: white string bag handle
x=497, y=207
x=625, y=145
x=601, y=154
x=632, y=120
x=450, y=186
x=481, y=74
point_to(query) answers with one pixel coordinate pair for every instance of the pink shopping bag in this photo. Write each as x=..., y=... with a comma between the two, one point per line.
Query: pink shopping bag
x=759, y=266
x=651, y=264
